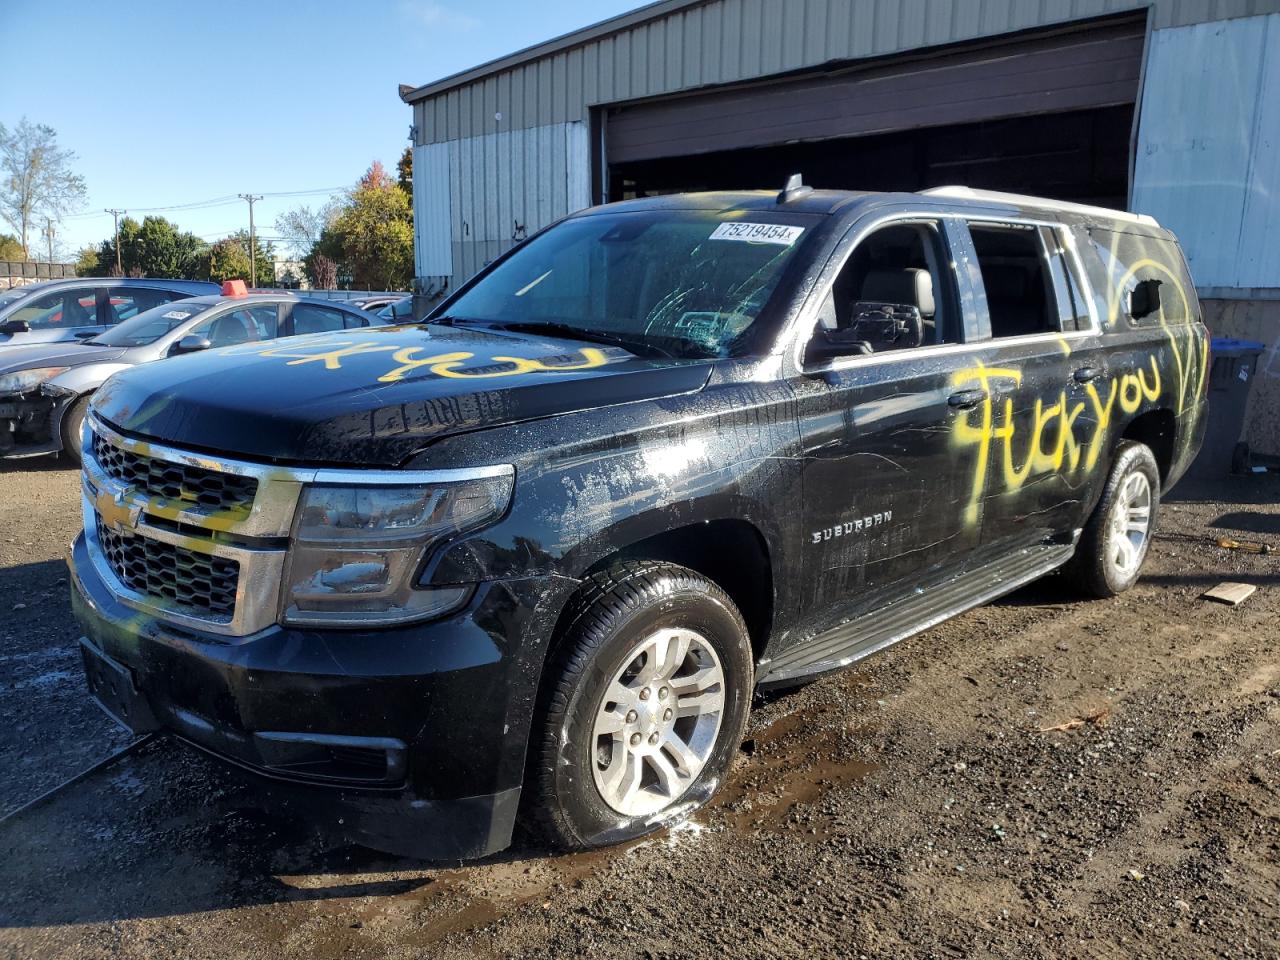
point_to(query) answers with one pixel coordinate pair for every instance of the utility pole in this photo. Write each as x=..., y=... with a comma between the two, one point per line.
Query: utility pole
x=117, y=214
x=48, y=233
x=253, y=260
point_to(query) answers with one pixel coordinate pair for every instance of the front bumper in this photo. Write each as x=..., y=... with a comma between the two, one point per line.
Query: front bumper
x=411, y=739
x=31, y=423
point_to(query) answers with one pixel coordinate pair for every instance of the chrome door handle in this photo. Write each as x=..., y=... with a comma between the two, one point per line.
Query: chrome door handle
x=1085, y=374
x=966, y=399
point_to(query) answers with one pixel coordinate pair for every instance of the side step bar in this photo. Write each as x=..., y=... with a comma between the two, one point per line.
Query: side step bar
x=925, y=607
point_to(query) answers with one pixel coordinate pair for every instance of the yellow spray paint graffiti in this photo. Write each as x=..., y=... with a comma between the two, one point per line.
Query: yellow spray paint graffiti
x=451, y=365
x=987, y=426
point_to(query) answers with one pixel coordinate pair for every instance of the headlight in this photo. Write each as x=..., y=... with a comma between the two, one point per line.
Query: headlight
x=356, y=549
x=25, y=380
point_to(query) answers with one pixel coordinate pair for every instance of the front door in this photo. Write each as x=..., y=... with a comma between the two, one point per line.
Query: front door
x=886, y=484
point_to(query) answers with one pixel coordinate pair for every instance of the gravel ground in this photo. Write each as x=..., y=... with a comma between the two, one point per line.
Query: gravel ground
x=1042, y=777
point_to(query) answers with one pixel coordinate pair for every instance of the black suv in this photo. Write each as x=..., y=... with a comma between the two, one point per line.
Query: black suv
x=534, y=555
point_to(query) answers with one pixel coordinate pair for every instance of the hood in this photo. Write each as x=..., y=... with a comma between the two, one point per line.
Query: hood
x=28, y=356
x=374, y=397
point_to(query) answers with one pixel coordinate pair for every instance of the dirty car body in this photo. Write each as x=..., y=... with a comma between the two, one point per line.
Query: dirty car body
x=842, y=491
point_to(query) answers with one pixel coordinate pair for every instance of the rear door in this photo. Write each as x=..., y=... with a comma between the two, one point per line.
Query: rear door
x=1041, y=426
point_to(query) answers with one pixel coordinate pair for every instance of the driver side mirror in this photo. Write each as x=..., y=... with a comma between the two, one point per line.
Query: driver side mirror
x=875, y=327
x=191, y=343
x=15, y=326
x=1144, y=298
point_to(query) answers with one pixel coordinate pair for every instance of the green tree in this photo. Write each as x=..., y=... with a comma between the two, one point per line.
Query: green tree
x=228, y=259
x=10, y=248
x=375, y=233
x=36, y=180
x=87, y=262
x=154, y=248
x=404, y=173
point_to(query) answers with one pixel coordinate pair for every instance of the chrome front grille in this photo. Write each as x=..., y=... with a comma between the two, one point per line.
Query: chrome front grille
x=193, y=540
x=175, y=483
x=201, y=583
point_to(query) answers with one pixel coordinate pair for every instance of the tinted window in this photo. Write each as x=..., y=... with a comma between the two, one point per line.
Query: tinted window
x=124, y=303
x=1129, y=258
x=353, y=320
x=63, y=309
x=1020, y=295
x=309, y=318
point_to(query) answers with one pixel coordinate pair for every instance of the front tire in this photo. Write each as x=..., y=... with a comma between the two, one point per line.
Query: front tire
x=1114, y=543
x=72, y=421
x=652, y=686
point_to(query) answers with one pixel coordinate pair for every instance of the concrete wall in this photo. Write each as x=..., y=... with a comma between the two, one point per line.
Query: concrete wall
x=18, y=273
x=1255, y=320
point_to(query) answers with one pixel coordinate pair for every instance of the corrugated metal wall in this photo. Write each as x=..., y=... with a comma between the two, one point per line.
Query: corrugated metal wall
x=724, y=41
x=498, y=189
x=433, y=253
x=716, y=42
x=1207, y=163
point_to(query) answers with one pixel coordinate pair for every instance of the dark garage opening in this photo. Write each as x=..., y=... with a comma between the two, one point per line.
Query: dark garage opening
x=1078, y=155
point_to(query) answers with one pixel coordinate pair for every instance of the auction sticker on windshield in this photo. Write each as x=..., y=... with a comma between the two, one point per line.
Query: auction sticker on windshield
x=778, y=233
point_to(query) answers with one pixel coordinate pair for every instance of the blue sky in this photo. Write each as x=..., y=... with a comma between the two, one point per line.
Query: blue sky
x=170, y=103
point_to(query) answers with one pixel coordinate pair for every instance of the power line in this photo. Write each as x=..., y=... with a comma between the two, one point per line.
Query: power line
x=219, y=201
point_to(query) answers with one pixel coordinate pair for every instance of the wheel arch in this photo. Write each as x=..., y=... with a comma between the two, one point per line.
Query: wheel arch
x=1158, y=430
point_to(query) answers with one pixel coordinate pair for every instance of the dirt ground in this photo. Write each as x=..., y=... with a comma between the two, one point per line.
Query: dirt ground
x=1042, y=777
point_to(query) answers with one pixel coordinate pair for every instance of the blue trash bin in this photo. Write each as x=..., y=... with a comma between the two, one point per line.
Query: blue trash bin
x=1231, y=371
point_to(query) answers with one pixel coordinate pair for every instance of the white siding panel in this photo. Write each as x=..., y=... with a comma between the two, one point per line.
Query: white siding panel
x=1202, y=167
x=432, y=212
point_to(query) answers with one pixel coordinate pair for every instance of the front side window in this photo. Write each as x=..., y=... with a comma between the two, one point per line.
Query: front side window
x=61, y=310
x=243, y=325
x=892, y=292
x=685, y=283
x=1020, y=296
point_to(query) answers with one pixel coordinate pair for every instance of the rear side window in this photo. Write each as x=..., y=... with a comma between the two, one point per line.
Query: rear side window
x=1129, y=258
x=126, y=302
x=1021, y=299
x=309, y=318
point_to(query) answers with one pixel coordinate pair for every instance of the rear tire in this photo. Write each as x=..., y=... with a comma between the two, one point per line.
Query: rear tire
x=72, y=421
x=1114, y=543
x=650, y=687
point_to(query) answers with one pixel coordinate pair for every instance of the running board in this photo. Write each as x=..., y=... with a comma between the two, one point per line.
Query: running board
x=925, y=607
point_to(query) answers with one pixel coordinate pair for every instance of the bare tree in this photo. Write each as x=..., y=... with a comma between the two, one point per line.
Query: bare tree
x=36, y=179
x=301, y=227
x=324, y=273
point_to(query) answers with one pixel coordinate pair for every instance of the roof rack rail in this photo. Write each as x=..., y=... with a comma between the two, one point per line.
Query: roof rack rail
x=1023, y=200
x=794, y=190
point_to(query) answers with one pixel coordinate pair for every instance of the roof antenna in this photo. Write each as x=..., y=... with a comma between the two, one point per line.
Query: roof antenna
x=794, y=190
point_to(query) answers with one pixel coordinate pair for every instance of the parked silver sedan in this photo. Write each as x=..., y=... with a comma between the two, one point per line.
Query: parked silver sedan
x=45, y=388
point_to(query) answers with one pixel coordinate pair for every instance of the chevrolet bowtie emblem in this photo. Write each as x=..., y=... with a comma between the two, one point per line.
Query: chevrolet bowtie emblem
x=115, y=512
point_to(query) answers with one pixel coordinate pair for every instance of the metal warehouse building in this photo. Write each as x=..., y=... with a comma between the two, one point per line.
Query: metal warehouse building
x=1169, y=107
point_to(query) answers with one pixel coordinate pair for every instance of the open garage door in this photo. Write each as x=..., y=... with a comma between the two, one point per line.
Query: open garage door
x=1047, y=114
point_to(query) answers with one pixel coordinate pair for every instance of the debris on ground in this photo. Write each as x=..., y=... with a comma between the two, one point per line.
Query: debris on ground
x=1098, y=718
x=1232, y=594
x=1244, y=546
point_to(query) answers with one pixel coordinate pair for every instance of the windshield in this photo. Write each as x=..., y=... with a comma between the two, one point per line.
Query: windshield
x=688, y=283
x=12, y=296
x=150, y=325
x=397, y=310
